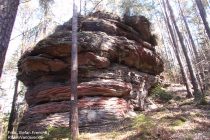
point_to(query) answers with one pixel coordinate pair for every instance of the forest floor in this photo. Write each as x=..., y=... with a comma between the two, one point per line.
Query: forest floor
x=176, y=119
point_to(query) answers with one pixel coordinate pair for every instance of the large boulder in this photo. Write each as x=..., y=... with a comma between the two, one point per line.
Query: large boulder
x=117, y=64
x=141, y=25
x=96, y=49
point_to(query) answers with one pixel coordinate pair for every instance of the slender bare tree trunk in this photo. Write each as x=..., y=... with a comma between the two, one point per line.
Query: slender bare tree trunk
x=80, y=6
x=44, y=31
x=8, y=11
x=181, y=65
x=188, y=30
x=167, y=51
x=198, y=94
x=96, y=6
x=85, y=7
x=13, y=109
x=198, y=67
x=177, y=52
x=203, y=16
x=73, y=122
x=142, y=94
x=195, y=61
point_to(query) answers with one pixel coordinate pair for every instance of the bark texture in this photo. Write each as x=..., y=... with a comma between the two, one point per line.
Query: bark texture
x=74, y=122
x=203, y=16
x=188, y=31
x=198, y=66
x=13, y=112
x=8, y=11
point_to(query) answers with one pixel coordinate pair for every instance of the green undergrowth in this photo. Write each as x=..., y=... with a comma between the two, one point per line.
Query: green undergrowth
x=56, y=133
x=174, y=121
x=178, y=122
x=159, y=93
x=203, y=101
x=144, y=126
x=186, y=102
x=143, y=122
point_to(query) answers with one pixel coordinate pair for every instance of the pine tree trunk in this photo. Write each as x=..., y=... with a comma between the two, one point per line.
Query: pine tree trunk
x=85, y=8
x=8, y=11
x=198, y=95
x=73, y=121
x=167, y=51
x=13, y=108
x=203, y=16
x=181, y=65
x=188, y=31
x=80, y=7
x=199, y=68
x=177, y=52
x=142, y=94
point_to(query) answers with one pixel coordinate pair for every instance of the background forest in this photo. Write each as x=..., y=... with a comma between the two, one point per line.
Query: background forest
x=181, y=28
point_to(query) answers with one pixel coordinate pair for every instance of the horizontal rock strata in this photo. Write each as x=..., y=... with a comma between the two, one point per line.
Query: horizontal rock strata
x=115, y=57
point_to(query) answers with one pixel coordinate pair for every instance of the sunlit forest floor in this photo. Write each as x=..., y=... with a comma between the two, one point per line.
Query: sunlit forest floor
x=179, y=119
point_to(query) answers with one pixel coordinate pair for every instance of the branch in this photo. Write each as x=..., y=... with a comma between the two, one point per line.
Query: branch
x=26, y=31
x=25, y=1
x=96, y=6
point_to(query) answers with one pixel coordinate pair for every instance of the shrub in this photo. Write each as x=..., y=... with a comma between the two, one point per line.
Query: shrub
x=159, y=93
x=143, y=122
x=145, y=126
x=57, y=133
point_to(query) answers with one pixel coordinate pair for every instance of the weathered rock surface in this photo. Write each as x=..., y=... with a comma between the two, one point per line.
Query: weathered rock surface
x=58, y=92
x=117, y=65
x=92, y=111
x=52, y=55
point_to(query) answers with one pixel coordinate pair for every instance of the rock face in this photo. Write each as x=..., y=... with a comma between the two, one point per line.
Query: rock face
x=117, y=65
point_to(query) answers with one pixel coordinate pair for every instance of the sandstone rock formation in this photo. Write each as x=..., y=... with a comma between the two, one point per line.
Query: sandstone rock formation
x=115, y=58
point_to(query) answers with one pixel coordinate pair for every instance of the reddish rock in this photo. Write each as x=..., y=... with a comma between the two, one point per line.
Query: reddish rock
x=95, y=24
x=53, y=93
x=104, y=88
x=115, y=59
x=101, y=50
x=141, y=25
x=90, y=59
x=92, y=111
x=41, y=64
x=57, y=48
x=106, y=103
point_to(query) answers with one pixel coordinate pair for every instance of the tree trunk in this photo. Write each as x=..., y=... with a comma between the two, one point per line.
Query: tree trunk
x=198, y=95
x=142, y=94
x=85, y=8
x=203, y=16
x=8, y=11
x=181, y=65
x=44, y=30
x=188, y=31
x=80, y=7
x=13, y=109
x=199, y=68
x=73, y=123
x=177, y=52
x=168, y=56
